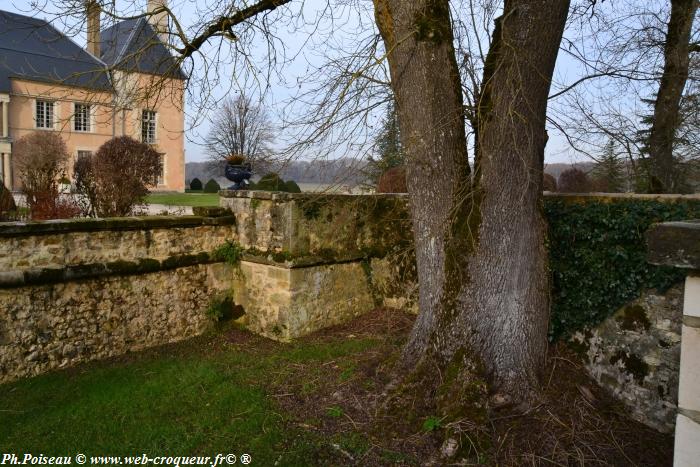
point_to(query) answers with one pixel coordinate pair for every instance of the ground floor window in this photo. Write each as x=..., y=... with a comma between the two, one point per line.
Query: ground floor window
x=83, y=154
x=161, y=176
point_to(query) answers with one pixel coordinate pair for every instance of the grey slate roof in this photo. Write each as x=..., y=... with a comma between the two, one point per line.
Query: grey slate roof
x=30, y=48
x=133, y=45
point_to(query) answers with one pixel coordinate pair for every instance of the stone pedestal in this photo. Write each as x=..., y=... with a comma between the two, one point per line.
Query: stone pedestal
x=677, y=244
x=283, y=301
x=315, y=260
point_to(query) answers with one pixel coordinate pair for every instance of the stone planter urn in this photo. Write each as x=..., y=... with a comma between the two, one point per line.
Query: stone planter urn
x=239, y=174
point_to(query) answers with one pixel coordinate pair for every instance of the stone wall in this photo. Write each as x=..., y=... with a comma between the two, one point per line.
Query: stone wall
x=677, y=244
x=322, y=226
x=314, y=260
x=635, y=354
x=58, y=325
x=61, y=243
x=73, y=291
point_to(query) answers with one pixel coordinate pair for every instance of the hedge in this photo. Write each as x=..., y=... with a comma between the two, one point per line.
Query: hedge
x=212, y=186
x=598, y=256
x=196, y=184
x=273, y=182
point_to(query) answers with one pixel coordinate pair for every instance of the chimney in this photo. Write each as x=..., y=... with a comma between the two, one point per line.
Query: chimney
x=93, y=10
x=159, y=21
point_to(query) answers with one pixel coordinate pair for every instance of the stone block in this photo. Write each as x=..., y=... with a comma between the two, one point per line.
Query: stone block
x=686, y=451
x=689, y=381
x=635, y=355
x=311, y=298
x=691, y=301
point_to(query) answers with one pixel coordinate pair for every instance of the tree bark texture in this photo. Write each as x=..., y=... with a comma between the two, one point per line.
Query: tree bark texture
x=668, y=99
x=482, y=263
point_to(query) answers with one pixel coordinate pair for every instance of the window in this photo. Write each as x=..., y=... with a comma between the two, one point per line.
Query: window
x=161, y=176
x=148, y=126
x=81, y=117
x=84, y=154
x=44, y=114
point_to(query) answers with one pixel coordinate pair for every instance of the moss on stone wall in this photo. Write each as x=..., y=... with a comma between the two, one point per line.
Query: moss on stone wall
x=633, y=364
x=634, y=318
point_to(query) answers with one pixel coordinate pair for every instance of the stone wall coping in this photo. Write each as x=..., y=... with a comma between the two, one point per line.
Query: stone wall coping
x=42, y=276
x=675, y=244
x=623, y=196
x=282, y=196
x=57, y=226
x=277, y=259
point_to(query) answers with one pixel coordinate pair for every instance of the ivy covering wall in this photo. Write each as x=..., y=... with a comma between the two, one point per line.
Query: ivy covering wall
x=598, y=255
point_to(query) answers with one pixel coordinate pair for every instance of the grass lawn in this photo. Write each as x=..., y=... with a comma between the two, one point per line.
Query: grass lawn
x=314, y=402
x=208, y=395
x=184, y=199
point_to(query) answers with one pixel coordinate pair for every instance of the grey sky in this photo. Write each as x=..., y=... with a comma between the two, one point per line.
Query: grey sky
x=302, y=51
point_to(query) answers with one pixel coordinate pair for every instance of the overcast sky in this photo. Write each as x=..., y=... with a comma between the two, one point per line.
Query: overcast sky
x=303, y=50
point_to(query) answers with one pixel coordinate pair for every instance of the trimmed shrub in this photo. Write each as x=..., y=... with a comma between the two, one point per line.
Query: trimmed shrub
x=212, y=186
x=290, y=186
x=574, y=181
x=598, y=253
x=393, y=181
x=270, y=182
x=196, y=184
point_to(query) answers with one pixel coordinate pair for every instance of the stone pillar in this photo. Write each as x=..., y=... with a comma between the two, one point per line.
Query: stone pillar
x=677, y=244
x=7, y=170
x=5, y=129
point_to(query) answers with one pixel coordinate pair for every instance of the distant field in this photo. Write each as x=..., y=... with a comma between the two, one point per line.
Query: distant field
x=184, y=199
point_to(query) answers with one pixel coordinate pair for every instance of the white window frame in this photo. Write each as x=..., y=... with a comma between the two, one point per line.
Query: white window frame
x=54, y=110
x=154, y=121
x=163, y=174
x=89, y=120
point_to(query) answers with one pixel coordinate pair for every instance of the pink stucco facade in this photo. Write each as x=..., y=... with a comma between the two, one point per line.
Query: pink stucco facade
x=111, y=114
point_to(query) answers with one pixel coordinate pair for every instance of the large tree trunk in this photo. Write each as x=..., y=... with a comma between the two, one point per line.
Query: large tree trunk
x=668, y=100
x=479, y=239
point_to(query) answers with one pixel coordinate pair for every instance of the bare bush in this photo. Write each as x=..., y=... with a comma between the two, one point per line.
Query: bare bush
x=117, y=176
x=393, y=181
x=7, y=203
x=40, y=161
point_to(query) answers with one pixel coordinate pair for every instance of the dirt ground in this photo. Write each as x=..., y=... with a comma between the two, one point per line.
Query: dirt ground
x=576, y=423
